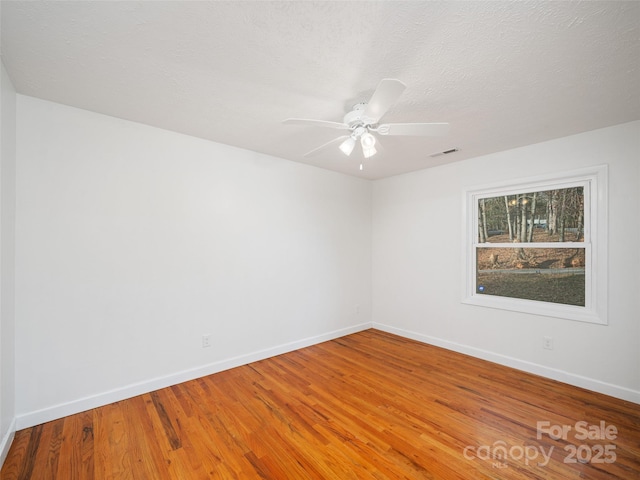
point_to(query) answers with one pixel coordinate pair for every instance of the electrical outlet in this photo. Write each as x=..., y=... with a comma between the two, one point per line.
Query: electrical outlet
x=547, y=343
x=357, y=309
x=206, y=340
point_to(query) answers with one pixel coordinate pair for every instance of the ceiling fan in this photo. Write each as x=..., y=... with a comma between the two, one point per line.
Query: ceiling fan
x=362, y=122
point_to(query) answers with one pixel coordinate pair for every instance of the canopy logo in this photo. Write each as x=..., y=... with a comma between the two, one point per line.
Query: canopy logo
x=501, y=454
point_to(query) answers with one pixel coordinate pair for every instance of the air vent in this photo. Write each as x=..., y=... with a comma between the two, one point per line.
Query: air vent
x=446, y=152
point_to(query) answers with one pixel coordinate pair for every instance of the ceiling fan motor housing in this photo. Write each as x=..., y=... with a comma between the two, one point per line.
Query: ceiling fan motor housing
x=356, y=116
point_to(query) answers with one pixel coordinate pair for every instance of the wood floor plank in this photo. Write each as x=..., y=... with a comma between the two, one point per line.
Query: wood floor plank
x=368, y=406
x=18, y=464
x=69, y=465
x=38, y=460
x=165, y=419
x=146, y=457
x=119, y=444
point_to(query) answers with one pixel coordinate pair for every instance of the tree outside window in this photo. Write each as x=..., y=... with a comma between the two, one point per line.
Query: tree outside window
x=531, y=247
x=521, y=269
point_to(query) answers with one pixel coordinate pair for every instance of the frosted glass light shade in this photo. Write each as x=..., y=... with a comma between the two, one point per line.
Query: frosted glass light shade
x=368, y=143
x=347, y=146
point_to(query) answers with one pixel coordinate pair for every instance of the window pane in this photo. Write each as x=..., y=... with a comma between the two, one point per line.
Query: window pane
x=554, y=275
x=543, y=216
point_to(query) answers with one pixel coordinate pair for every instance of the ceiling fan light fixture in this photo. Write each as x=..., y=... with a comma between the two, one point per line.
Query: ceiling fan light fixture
x=347, y=146
x=369, y=151
x=368, y=143
x=367, y=140
x=364, y=120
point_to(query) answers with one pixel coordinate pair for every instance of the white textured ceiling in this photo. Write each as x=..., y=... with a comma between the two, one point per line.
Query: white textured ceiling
x=503, y=74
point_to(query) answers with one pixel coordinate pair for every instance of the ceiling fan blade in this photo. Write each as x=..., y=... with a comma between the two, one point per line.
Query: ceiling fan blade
x=315, y=123
x=413, y=129
x=386, y=94
x=327, y=145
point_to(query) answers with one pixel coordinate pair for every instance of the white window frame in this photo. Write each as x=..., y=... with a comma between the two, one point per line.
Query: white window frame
x=595, y=181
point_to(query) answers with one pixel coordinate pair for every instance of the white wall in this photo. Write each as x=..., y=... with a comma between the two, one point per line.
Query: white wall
x=7, y=232
x=132, y=242
x=417, y=265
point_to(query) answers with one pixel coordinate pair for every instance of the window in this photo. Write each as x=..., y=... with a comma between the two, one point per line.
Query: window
x=539, y=246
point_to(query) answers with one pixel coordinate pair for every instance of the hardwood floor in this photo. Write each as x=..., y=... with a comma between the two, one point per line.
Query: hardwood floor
x=367, y=406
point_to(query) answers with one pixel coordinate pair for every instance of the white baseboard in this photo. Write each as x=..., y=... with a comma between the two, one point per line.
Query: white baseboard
x=37, y=417
x=5, y=444
x=62, y=410
x=617, y=391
